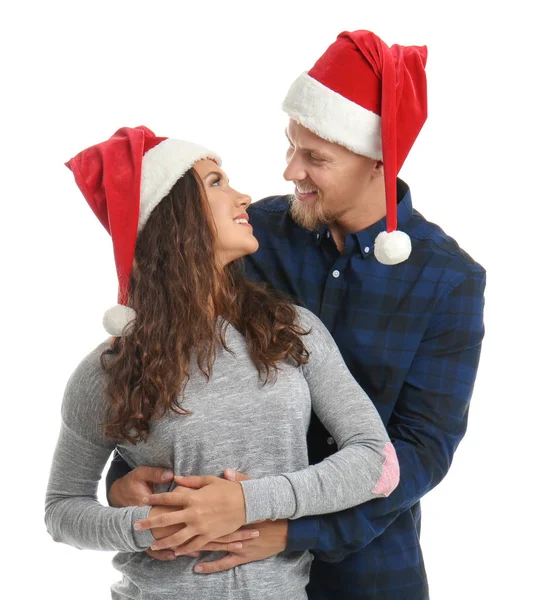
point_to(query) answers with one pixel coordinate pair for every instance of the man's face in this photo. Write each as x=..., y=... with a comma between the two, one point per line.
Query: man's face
x=330, y=180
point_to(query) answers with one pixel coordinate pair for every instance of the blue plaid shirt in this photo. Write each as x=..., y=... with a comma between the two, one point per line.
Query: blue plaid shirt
x=411, y=336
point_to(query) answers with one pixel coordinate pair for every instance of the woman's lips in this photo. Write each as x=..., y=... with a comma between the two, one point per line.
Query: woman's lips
x=242, y=220
x=247, y=224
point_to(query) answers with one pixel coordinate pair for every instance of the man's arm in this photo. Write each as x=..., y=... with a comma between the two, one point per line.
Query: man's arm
x=117, y=469
x=428, y=422
x=127, y=486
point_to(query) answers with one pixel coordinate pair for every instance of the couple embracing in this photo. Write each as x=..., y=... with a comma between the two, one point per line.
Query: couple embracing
x=284, y=380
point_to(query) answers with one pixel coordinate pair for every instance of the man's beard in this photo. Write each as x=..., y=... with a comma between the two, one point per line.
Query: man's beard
x=309, y=216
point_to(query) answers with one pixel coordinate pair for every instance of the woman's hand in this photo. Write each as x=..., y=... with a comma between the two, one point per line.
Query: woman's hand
x=228, y=543
x=213, y=509
x=162, y=532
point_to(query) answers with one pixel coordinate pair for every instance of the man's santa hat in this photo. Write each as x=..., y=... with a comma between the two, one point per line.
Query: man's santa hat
x=123, y=179
x=371, y=99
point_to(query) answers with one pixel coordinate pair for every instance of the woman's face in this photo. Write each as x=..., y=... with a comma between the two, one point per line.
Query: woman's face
x=235, y=237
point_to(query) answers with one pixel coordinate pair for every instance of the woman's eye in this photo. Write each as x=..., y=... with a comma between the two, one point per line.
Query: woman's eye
x=216, y=181
x=316, y=159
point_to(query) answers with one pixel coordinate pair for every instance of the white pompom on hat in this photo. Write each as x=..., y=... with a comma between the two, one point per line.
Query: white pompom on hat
x=371, y=99
x=123, y=179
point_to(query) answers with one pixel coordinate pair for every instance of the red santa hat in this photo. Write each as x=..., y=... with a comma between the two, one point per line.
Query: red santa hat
x=371, y=99
x=123, y=179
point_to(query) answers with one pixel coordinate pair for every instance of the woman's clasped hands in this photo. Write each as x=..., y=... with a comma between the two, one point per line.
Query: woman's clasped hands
x=200, y=510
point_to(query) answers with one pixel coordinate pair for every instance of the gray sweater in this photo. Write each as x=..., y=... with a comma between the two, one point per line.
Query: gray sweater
x=235, y=422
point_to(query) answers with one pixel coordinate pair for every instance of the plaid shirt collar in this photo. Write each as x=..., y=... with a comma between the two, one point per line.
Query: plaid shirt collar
x=365, y=239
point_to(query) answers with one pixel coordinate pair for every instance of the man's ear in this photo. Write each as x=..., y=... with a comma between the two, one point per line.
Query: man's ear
x=378, y=169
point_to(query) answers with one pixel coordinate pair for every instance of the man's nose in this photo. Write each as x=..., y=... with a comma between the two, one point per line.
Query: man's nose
x=295, y=170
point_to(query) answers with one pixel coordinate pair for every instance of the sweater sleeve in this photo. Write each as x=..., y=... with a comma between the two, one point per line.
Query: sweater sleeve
x=365, y=466
x=73, y=514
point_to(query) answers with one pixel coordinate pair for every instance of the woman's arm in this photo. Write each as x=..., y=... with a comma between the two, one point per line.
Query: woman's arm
x=73, y=514
x=365, y=467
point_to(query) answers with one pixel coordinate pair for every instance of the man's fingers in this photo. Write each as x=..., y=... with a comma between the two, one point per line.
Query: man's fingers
x=153, y=474
x=194, y=481
x=180, y=538
x=222, y=564
x=168, y=498
x=211, y=547
x=233, y=475
x=239, y=535
x=163, y=555
x=194, y=544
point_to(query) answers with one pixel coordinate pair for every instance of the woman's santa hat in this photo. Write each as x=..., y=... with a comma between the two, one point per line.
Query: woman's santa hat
x=371, y=99
x=123, y=179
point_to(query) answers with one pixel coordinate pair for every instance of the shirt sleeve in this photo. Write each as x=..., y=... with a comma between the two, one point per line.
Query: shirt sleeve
x=117, y=469
x=73, y=514
x=427, y=425
x=365, y=466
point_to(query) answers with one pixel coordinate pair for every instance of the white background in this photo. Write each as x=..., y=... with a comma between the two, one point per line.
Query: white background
x=216, y=73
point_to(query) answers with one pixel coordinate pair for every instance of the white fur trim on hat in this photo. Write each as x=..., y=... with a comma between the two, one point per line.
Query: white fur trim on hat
x=392, y=248
x=162, y=166
x=333, y=117
x=117, y=318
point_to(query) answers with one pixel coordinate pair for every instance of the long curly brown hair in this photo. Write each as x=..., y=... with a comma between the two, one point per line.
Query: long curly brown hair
x=177, y=292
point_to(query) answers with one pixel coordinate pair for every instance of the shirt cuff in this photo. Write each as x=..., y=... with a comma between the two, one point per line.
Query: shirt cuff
x=268, y=498
x=303, y=534
x=143, y=538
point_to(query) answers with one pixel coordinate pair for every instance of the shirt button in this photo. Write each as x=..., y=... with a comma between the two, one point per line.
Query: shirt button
x=317, y=236
x=336, y=273
x=366, y=249
x=330, y=441
x=328, y=234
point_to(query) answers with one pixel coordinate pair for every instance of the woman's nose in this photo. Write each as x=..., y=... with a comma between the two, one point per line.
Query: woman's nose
x=244, y=200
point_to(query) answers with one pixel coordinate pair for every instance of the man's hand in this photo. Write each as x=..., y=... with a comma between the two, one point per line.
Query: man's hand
x=131, y=489
x=228, y=543
x=271, y=541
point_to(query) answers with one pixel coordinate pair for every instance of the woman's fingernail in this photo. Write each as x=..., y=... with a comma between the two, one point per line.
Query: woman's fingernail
x=137, y=526
x=238, y=545
x=198, y=569
x=172, y=557
x=167, y=475
x=145, y=500
x=255, y=533
x=154, y=547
